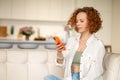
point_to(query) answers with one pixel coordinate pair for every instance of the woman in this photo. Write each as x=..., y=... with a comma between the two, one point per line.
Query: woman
x=84, y=53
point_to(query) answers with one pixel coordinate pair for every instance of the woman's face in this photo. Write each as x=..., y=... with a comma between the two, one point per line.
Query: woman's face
x=82, y=22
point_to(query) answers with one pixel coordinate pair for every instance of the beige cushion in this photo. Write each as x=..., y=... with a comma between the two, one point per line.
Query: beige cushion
x=111, y=66
x=16, y=56
x=3, y=56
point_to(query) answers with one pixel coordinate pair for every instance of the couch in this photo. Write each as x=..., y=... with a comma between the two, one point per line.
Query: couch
x=111, y=66
x=35, y=64
x=27, y=64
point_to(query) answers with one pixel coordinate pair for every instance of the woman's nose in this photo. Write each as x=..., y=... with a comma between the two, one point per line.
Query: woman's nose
x=77, y=24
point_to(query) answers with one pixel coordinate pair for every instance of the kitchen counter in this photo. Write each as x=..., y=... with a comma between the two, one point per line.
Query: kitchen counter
x=27, y=42
x=23, y=44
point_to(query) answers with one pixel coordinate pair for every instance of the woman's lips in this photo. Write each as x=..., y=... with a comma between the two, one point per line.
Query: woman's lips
x=79, y=27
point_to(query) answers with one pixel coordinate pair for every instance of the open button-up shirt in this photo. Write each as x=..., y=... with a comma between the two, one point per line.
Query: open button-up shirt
x=91, y=60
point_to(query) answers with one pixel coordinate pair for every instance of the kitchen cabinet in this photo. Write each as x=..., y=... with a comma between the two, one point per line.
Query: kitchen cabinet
x=5, y=8
x=43, y=10
x=60, y=10
x=30, y=9
x=55, y=9
x=68, y=6
x=18, y=9
x=106, y=5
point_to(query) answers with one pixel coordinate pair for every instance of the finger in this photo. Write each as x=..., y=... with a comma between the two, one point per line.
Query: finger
x=61, y=47
x=59, y=44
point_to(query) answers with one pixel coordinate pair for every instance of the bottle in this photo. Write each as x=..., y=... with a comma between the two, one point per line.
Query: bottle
x=12, y=30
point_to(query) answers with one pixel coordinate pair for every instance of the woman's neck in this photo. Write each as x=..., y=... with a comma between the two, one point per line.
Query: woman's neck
x=85, y=36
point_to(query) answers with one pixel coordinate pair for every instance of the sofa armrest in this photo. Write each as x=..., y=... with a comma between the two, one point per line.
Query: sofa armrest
x=111, y=64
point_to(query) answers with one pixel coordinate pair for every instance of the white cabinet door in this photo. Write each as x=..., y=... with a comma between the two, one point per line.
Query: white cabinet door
x=5, y=9
x=43, y=9
x=18, y=9
x=30, y=9
x=55, y=9
x=68, y=7
x=82, y=3
x=60, y=10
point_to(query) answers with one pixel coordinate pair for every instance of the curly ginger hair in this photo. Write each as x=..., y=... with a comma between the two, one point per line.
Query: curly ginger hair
x=93, y=17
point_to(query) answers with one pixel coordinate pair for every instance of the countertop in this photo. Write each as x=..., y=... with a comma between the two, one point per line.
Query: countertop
x=30, y=44
x=24, y=41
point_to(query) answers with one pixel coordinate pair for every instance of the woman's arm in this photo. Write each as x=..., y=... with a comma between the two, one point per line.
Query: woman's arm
x=62, y=53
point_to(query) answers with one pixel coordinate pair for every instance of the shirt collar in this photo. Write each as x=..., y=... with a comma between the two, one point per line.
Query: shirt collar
x=91, y=38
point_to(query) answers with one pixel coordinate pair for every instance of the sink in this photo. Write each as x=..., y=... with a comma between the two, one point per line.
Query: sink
x=28, y=46
x=50, y=46
x=5, y=45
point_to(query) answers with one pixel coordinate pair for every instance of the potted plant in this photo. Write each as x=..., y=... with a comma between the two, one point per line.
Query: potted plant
x=27, y=31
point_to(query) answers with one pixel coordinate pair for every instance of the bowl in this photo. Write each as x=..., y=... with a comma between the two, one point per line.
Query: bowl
x=28, y=46
x=5, y=45
x=50, y=46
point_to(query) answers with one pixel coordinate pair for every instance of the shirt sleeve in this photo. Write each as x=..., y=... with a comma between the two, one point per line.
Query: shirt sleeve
x=96, y=69
x=60, y=65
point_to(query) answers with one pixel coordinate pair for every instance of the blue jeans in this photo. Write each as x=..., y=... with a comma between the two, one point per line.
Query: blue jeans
x=52, y=77
x=75, y=76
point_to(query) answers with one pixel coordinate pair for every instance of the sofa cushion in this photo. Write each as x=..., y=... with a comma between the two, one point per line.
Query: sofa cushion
x=38, y=57
x=111, y=65
x=16, y=56
x=2, y=56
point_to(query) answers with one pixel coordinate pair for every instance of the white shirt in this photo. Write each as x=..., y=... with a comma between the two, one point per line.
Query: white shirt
x=91, y=59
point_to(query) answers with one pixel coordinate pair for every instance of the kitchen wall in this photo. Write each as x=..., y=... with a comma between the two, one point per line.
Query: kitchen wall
x=116, y=27
x=48, y=28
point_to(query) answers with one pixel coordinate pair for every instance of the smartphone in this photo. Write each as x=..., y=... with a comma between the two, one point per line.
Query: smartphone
x=58, y=41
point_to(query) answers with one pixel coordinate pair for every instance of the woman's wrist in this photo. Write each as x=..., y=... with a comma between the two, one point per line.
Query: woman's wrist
x=60, y=58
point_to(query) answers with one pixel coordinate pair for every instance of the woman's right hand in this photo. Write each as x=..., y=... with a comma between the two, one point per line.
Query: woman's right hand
x=60, y=47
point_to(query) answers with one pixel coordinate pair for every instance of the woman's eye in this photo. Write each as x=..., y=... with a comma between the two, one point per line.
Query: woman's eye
x=81, y=21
